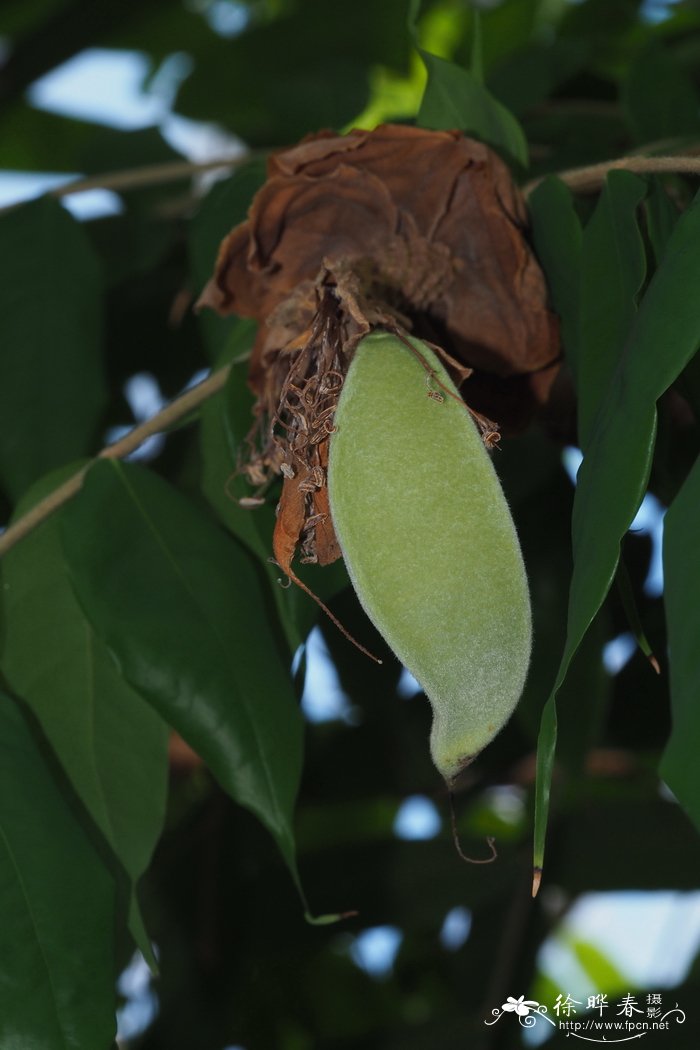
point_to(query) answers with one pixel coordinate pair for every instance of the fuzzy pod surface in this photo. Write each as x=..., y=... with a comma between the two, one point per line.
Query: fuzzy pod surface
x=429, y=542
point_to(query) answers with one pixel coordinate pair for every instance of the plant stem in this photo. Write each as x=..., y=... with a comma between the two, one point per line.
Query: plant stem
x=164, y=419
x=148, y=175
x=590, y=179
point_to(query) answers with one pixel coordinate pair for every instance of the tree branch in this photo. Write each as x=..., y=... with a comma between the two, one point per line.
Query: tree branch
x=590, y=179
x=164, y=419
x=148, y=175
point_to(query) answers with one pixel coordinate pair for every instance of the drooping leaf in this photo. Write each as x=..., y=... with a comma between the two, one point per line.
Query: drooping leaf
x=57, y=902
x=613, y=268
x=51, y=379
x=183, y=611
x=556, y=232
x=111, y=745
x=679, y=765
x=615, y=469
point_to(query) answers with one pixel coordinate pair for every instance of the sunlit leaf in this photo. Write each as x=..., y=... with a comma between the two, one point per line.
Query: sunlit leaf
x=602, y=974
x=57, y=902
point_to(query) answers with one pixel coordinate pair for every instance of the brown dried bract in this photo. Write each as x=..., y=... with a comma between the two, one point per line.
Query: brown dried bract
x=412, y=230
x=434, y=226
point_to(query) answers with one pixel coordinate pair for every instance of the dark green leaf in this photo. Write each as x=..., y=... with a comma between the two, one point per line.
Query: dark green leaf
x=679, y=765
x=111, y=745
x=662, y=215
x=223, y=487
x=615, y=470
x=223, y=208
x=226, y=421
x=613, y=268
x=455, y=99
x=297, y=73
x=557, y=235
x=51, y=380
x=182, y=610
x=57, y=903
x=33, y=140
x=660, y=99
x=530, y=75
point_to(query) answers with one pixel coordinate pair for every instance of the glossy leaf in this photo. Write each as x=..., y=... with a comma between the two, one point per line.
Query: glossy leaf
x=111, y=745
x=57, y=903
x=182, y=610
x=615, y=470
x=613, y=268
x=679, y=765
x=51, y=379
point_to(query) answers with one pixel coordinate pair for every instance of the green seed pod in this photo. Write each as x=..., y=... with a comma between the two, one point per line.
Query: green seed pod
x=429, y=542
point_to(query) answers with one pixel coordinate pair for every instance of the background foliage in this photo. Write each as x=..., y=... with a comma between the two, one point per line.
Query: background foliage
x=148, y=603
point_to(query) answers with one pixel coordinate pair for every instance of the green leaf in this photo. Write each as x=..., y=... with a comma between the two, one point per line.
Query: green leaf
x=223, y=487
x=183, y=611
x=557, y=236
x=662, y=215
x=33, y=140
x=111, y=745
x=531, y=74
x=225, y=206
x=615, y=469
x=455, y=98
x=681, y=553
x=226, y=420
x=298, y=611
x=659, y=98
x=295, y=73
x=57, y=903
x=51, y=381
x=613, y=268
x=602, y=974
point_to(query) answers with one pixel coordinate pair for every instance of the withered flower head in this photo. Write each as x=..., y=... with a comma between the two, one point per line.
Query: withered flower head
x=416, y=230
x=432, y=224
